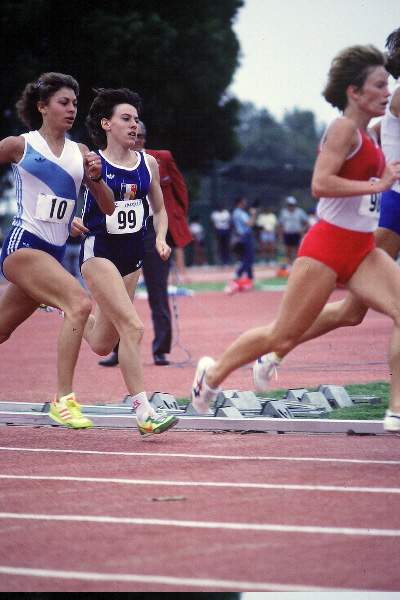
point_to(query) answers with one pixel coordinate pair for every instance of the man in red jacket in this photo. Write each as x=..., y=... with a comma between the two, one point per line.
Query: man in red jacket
x=155, y=270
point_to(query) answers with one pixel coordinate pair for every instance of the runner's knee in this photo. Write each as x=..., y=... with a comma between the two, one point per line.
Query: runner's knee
x=80, y=310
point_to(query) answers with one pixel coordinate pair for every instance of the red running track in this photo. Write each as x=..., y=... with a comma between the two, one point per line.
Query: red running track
x=218, y=522
x=103, y=511
x=206, y=325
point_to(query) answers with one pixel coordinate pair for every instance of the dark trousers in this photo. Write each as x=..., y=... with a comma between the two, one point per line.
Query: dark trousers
x=224, y=246
x=155, y=273
x=248, y=255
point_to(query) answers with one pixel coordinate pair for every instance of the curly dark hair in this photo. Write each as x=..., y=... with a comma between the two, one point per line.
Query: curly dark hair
x=350, y=67
x=393, y=56
x=103, y=107
x=42, y=89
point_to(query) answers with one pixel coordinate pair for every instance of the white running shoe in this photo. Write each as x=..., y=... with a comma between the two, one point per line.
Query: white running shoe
x=201, y=393
x=263, y=369
x=391, y=422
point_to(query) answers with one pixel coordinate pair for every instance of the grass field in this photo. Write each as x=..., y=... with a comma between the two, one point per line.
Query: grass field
x=381, y=389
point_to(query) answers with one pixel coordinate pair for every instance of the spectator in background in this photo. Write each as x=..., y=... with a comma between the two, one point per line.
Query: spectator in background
x=267, y=221
x=243, y=222
x=155, y=270
x=176, y=201
x=221, y=219
x=197, y=230
x=292, y=224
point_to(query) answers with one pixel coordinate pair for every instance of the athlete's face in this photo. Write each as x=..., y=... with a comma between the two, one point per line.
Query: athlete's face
x=122, y=126
x=374, y=95
x=60, y=110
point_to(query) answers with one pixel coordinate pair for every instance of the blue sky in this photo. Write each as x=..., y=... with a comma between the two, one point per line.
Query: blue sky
x=287, y=47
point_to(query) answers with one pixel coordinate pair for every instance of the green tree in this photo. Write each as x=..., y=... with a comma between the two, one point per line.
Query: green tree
x=179, y=57
x=276, y=158
x=267, y=143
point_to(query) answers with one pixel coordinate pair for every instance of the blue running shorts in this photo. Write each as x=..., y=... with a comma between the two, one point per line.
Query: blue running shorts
x=390, y=211
x=124, y=251
x=18, y=238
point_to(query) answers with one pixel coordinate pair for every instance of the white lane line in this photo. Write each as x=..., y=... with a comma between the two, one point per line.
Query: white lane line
x=209, y=456
x=222, y=484
x=278, y=528
x=167, y=580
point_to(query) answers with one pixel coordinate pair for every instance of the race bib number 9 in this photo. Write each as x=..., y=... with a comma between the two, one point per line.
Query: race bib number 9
x=53, y=209
x=370, y=204
x=127, y=217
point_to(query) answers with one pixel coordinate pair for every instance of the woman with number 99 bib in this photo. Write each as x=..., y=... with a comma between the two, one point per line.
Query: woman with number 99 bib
x=48, y=170
x=112, y=250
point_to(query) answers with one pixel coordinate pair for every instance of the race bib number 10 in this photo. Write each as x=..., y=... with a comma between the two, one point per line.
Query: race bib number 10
x=53, y=209
x=126, y=218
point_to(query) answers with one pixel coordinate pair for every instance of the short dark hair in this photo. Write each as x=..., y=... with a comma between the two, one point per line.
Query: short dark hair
x=103, y=107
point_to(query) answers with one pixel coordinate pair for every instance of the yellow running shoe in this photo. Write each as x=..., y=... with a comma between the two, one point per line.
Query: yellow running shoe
x=67, y=412
x=156, y=422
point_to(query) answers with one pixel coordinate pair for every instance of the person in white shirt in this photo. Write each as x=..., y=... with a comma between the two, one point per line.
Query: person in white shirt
x=292, y=221
x=221, y=219
x=268, y=223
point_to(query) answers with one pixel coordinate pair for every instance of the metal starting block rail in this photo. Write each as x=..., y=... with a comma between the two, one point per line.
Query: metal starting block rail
x=300, y=411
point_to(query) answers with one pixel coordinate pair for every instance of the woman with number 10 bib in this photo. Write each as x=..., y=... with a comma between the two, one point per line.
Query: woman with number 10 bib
x=48, y=171
x=112, y=250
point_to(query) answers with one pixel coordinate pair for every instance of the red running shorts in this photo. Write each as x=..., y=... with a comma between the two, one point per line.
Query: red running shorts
x=340, y=249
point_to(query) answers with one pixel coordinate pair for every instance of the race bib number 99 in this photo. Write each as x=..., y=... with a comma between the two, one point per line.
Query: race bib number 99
x=370, y=205
x=127, y=217
x=53, y=209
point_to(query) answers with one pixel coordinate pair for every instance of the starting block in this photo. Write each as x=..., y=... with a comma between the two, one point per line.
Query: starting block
x=276, y=409
x=366, y=400
x=246, y=403
x=161, y=400
x=223, y=397
x=230, y=412
x=336, y=395
x=295, y=395
x=190, y=411
x=317, y=399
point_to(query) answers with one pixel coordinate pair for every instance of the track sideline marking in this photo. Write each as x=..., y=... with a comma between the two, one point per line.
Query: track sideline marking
x=208, y=456
x=167, y=580
x=278, y=528
x=221, y=484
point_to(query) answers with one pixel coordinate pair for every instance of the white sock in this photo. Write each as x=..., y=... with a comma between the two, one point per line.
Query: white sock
x=390, y=413
x=142, y=406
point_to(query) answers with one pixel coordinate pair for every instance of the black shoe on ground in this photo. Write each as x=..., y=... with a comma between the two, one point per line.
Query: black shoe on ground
x=160, y=360
x=111, y=361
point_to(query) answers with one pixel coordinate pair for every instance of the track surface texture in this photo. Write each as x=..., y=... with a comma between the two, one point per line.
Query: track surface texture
x=104, y=511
